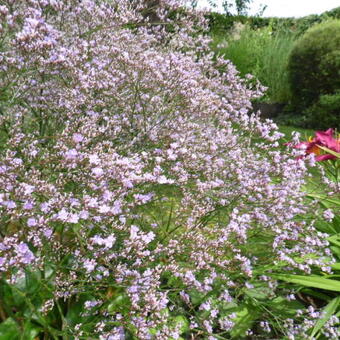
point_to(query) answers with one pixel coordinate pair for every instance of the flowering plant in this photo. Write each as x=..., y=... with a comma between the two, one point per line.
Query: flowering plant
x=127, y=207
x=322, y=141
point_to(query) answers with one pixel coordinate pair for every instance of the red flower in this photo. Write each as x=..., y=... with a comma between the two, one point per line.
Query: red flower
x=323, y=139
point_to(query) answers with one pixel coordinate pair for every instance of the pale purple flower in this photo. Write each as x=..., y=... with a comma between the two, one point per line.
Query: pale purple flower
x=185, y=296
x=28, y=205
x=25, y=256
x=94, y=159
x=84, y=214
x=143, y=198
x=328, y=215
x=205, y=306
x=133, y=232
x=73, y=218
x=63, y=215
x=77, y=137
x=2, y=263
x=45, y=207
x=31, y=222
x=71, y=154
x=97, y=172
x=91, y=304
x=107, y=242
x=89, y=265
x=10, y=204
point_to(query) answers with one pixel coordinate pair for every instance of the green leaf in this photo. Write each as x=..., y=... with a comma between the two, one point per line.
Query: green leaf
x=334, y=153
x=196, y=297
x=182, y=323
x=335, y=250
x=336, y=223
x=324, y=198
x=281, y=306
x=30, y=331
x=325, y=227
x=336, y=266
x=335, y=239
x=75, y=310
x=119, y=303
x=245, y=317
x=316, y=293
x=261, y=291
x=310, y=281
x=32, y=281
x=327, y=312
x=9, y=330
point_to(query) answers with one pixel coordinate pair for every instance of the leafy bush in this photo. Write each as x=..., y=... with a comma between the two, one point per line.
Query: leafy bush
x=314, y=64
x=138, y=199
x=324, y=113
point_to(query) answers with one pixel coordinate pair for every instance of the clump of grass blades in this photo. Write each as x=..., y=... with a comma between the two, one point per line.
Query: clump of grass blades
x=261, y=53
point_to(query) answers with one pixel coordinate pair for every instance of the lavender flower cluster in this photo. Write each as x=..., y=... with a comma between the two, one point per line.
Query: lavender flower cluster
x=131, y=166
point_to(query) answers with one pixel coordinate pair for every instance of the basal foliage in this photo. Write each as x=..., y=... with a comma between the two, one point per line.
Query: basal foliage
x=138, y=198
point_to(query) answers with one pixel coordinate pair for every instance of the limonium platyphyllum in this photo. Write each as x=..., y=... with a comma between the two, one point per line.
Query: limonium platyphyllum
x=130, y=167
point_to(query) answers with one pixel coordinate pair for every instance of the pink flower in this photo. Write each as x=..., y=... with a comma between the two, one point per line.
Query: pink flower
x=323, y=139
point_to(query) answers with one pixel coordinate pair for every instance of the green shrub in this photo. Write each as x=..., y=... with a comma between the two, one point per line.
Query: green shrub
x=321, y=115
x=325, y=113
x=314, y=64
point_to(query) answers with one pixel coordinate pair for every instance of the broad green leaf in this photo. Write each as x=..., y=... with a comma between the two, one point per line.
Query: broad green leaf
x=119, y=303
x=9, y=330
x=327, y=312
x=260, y=291
x=196, y=297
x=281, y=306
x=245, y=317
x=336, y=223
x=181, y=322
x=8, y=299
x=310, y=281
x=75, y=310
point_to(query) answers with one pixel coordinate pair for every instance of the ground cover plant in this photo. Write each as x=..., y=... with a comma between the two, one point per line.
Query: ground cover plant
x=138, y=198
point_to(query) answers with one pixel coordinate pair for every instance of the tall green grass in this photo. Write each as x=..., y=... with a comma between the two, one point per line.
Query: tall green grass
x=261, y=53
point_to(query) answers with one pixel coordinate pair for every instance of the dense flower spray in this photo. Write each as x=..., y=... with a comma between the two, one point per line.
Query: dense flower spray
x=131, y=171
